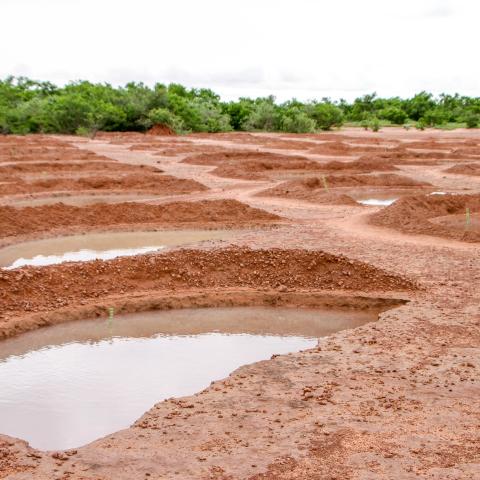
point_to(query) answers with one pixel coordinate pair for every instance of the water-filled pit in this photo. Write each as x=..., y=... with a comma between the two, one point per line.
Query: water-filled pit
x=103, y=246
x=66, y=385
x=377, y=202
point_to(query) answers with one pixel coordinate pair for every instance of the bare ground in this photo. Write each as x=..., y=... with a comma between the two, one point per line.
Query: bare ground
x=396, y=399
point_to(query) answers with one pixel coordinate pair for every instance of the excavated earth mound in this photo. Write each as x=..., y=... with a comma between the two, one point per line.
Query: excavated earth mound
x=158, y=184
x=364, y=164
x=70, y=167
x=32, y=289
x=161, y=129
x=341, y=148
x=414, y=214
x=22, y=221
x=468, y=169
x=251, y=165
x=310, y=190
x=383, y=179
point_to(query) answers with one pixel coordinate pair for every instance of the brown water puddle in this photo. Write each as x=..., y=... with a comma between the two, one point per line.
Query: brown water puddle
x=104, y=246
x=66, y=385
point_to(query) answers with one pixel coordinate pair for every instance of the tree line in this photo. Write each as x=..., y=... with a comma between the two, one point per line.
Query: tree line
x=30, y=106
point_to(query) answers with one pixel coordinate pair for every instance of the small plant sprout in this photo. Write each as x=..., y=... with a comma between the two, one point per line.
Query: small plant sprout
x=325, y=184
x=467, y=218
x=111, y=313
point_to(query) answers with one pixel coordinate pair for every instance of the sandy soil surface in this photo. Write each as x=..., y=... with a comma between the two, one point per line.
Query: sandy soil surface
x=394, y=399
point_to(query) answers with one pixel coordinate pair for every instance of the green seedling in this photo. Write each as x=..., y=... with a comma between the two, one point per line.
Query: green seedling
x=467, y=218
x=325, y=185
x=111, y=313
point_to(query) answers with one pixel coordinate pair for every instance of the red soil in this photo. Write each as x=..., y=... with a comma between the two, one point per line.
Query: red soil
x=21, y=221
x=364, y=164
x=467, y=169
x=39, y=148
x=158, y=184
x=161, y=129
x=412, y=215
x=383, y=179
x=33, y=289
x=52, y=167
x=311, y=190
x=251, y=165
x=340, y=148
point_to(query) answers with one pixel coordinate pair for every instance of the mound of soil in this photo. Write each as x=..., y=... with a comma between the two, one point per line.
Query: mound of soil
x=259, y=139
x=53, y=167
x=251, y=165
x=414, y=214
x=342, y=149
x=158, y=184
x=161, y=129
x=381, y=180
x=21, y=221
x=47, y=288
x=468, y=169
x=311, y=190
x=363, y=164
x=34, y=148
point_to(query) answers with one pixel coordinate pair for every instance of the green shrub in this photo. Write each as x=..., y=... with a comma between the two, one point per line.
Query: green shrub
x=297, y=121
x=421, y=124
x=472, y=120
x=164, y=117
x=375, y=124
x=394, y=115
x=326, y=115
x=264, y=116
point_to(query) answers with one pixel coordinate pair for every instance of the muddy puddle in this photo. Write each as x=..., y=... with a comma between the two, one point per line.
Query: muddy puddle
x=380, y=202
x=78, y=200
x=66, y=385
x=382, y=197
x=102, y=246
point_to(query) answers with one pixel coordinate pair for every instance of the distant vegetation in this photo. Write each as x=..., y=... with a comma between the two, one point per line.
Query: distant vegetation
x=28, y=106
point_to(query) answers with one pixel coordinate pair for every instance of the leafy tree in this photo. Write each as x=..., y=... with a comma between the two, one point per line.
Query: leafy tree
x=394, y=114
x=326, y=115
x=472, y=120
x=164, y=117
x=419, y=105
x=264, y=116
x=296, y=120
x=34, y=106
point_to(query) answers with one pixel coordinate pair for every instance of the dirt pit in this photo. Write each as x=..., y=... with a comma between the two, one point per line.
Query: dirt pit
x=467, y=169
x=100, y=246
x=460, y=222
x=420, y=214
x=108, y=372
x=392, y=398
x=337, y=189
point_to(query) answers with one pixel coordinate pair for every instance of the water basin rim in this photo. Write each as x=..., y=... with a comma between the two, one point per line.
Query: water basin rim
x=199, y=299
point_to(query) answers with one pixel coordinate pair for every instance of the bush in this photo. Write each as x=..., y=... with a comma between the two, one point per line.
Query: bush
x=375, y=124
x=326, y=116
x=472, y=120
x=297, y=121
x=164, y=117
x=435, y=117
x=264, y=116
x=421, y=124
x=394, y=114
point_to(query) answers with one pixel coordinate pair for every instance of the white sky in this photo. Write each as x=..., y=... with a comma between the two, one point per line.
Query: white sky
x=289, y=48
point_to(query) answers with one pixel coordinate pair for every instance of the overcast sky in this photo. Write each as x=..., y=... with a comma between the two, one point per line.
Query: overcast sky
x=289, y=48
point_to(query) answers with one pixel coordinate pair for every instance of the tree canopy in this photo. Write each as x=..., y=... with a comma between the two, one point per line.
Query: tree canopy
x=30, y=106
